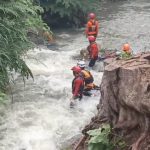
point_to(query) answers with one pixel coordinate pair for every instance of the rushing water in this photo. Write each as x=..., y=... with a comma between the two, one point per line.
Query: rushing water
x=125, y=21
x=40, y=117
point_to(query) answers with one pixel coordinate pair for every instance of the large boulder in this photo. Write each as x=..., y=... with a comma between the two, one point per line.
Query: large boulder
x=125, y=100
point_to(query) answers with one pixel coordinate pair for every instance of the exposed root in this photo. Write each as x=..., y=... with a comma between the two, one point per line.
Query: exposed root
x=80, y=143
x=96, y=122
x=127, y=119
x=136, y=145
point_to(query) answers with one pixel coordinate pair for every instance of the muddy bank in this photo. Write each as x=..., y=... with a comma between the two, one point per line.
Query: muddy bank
x=125, y=101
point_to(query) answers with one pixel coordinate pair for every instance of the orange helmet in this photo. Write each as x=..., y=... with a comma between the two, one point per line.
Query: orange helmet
x=91, y=38
x=126, y=47
x=92, y=16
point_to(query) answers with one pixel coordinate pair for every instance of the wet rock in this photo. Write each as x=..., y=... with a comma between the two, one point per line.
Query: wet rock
x=84, y=54
x=125, y=100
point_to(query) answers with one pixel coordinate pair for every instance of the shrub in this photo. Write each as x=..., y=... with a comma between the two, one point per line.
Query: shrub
x=17, y=17
x=67, y=12
x=100, y=139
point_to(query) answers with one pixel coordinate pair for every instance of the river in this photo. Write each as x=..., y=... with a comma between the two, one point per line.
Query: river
x=40, y=117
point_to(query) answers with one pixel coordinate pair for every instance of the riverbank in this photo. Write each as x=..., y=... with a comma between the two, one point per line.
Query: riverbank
x=124, y=103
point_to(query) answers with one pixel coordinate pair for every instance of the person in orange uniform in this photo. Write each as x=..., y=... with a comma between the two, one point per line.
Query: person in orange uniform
x=92, y=26
x=93, y=49
x=127, y=52
x=77, y=83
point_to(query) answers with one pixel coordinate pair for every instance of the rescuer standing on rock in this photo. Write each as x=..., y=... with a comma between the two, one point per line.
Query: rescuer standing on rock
x=88, y=79
x=93, y=50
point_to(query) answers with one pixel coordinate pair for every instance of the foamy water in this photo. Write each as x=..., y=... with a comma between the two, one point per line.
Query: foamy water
x=40, y=118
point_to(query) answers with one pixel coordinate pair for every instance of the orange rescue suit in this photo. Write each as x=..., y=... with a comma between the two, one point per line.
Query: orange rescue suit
x=93, y=50
x=92, y=28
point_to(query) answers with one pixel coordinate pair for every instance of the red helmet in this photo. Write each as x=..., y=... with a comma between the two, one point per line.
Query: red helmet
x=92, y=16
x=76, y=69
x=91, y=38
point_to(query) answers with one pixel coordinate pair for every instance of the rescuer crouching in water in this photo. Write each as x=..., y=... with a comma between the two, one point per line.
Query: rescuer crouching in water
x=88, y=79
x=77, y=85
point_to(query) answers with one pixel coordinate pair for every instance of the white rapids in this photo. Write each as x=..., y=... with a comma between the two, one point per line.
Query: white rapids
x=40, y=117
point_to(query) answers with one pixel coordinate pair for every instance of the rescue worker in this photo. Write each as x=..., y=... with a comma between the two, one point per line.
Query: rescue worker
x=77, y=83
x=127, y=52
x=88, y=79
x=93, y=49
x=92, y=26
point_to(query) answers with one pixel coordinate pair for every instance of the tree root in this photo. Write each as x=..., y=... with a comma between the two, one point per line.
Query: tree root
x=136, y=145
x=143, y=136
x=127, y=119
x=80, y=143
x=95, y=123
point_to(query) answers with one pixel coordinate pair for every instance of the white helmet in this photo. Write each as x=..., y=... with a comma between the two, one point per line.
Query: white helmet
x=81, y=64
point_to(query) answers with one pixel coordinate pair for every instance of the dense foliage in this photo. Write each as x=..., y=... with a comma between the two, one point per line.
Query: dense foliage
x=67, y=12
x=17, y=17
x=100, y=139
x=125, y=55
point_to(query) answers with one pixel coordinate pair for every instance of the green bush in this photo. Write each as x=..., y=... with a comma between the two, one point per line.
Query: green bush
x=71, y=12
x=125, y=55
x=2, y=98
x=100, y=139
x=16, y=19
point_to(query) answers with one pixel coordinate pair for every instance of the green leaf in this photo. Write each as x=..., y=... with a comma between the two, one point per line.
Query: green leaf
x=99, y=139
x=94, y=132
x=96, y=147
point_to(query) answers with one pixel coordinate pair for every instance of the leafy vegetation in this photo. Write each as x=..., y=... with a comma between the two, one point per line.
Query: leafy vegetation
x=125, y=55
x=2, y=98
x=16, y=19
x=100, y=139
x=67, y=12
